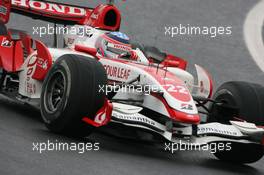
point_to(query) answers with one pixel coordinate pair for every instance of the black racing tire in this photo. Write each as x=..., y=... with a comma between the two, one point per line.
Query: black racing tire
x=71, y=91
x=247, y=100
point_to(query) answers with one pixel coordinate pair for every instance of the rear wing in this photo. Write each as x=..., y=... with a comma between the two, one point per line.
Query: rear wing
x=5, y=6
x=104, y=16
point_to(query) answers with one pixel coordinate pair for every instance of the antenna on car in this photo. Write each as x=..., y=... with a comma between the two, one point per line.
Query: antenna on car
x=55, y=36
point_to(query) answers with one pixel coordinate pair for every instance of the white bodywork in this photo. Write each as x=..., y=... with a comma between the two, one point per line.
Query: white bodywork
x=129, y=114
x=89, y=41
x=206, y=133
x=29, y=87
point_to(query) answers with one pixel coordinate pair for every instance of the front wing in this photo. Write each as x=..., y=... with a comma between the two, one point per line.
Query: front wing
x=201, y=134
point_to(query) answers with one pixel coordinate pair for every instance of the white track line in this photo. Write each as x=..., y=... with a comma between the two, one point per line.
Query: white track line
x=253, y=33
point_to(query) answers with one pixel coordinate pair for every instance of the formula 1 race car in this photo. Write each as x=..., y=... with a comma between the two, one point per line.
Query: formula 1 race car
x=102, y=77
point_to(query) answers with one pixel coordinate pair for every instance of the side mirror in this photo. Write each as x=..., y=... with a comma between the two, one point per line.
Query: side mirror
x=88, y=50
x=15, y=35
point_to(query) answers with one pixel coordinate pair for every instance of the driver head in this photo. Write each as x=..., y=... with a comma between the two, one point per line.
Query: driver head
x=112, y=44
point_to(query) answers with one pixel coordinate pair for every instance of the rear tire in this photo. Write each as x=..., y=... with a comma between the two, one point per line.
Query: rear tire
x=248, y=102
x=70, y=92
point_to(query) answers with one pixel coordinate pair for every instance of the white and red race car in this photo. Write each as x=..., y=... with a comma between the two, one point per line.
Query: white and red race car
x=102, y=77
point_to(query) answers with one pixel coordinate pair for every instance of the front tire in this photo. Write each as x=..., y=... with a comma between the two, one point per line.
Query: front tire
x=247, y=101
x=71, y=92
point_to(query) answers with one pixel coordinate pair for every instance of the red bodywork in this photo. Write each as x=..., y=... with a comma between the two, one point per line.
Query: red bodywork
x=12, y=51
x=44, y=61
x=104, y=16
x=173, y=61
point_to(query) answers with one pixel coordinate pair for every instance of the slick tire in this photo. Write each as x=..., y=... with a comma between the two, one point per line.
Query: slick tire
x=247, y=100
x=70, y=92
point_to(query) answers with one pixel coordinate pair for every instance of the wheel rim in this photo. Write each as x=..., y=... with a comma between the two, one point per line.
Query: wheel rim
x=226, y=98
x=55, y=92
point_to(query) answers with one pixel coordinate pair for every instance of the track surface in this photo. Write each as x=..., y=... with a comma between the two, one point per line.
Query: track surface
x=227, y=58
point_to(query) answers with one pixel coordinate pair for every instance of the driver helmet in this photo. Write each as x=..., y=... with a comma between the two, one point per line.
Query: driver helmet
x=113, y=44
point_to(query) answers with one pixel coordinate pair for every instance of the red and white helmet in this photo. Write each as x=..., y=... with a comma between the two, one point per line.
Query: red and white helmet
x=114, y=44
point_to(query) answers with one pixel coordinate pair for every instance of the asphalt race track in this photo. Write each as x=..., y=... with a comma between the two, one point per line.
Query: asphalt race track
x=227, y=58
